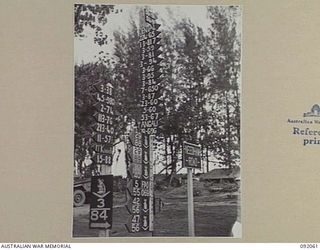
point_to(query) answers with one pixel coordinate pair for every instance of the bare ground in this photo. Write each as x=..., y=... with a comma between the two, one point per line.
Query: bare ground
x=215, y=214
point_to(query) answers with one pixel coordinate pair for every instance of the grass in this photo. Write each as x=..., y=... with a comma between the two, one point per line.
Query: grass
x=214, y=215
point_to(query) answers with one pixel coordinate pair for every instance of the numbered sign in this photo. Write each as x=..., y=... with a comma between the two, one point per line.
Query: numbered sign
x=103, y=129
x=101, y=158
x=151, y=73
x=191, y=155
x=104, y=88
x=101, y=202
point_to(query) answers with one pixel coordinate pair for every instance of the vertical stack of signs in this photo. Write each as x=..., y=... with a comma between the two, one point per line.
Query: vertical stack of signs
x=138, y=183
x=103, y=129
x=101, y=185
x=150, y=75
x=140, y=142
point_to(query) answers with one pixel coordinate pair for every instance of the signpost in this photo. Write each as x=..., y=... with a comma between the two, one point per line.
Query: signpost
x=138, y=183
x=151, y=72
x=140, y=142
x=103, y=136
x=191, y=158
x=104, y=126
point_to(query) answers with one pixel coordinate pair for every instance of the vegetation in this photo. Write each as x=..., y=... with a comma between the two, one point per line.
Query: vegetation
x=201, y=92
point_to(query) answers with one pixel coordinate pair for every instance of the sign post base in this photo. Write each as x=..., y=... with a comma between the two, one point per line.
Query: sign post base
x=190, y=203
x=104, y=233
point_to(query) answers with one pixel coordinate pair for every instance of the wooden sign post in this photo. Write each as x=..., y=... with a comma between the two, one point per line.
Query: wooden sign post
x=103, y=138
x=139, y=148
x=190, y=203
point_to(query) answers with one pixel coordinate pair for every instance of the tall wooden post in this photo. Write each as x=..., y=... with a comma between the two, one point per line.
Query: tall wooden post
x=190, y=203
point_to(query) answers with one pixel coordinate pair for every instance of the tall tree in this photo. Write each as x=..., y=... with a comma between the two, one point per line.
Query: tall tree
x=225, y=67
x=127, y=72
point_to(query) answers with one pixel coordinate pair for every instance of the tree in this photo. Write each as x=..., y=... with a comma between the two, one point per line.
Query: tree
x=225, y=68
x=94, y=17
x=201, y=70
x=86, y=75
x=127, y=73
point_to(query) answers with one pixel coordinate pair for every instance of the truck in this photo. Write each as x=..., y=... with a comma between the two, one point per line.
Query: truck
x=81, y=191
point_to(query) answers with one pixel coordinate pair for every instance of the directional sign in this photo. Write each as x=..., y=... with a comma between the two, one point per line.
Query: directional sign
x=151, y=72
x=139, y=203
x=103, y=148
x=136, y=170
x=104, y=108
x=101, y=202
x=191, y=155
x=105, y=98
x=148, y=41
x=103, y=138
x=103, y=118
x=102, y=158
x=102, y=128
x=146, y=34
x=104, y=88
x=149, y=61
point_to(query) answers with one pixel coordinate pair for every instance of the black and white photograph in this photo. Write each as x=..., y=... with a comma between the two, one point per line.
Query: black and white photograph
x=157, y=108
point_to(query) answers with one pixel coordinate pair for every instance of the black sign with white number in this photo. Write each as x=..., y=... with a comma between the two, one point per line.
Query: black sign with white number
x=104, y=108
x=105, y=139
x=101, y=202
x=104, y=88
x=103, y=158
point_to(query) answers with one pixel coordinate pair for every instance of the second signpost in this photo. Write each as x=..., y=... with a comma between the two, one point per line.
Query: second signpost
x=191, y=159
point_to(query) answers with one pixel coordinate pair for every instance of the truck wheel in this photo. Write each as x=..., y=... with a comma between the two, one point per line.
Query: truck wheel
x=79, y=197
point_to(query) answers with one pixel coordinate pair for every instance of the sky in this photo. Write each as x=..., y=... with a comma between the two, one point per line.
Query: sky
x=85, y=49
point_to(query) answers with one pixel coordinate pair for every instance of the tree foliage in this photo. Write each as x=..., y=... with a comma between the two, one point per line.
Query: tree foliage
x=201, y=76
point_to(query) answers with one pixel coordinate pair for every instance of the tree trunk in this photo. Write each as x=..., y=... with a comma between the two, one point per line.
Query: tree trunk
x=173, y=161
x=207, y=158
x=166, y=153
x=228, y=130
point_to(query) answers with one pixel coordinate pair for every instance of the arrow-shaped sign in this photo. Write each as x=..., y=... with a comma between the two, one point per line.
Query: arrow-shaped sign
x=103, y=108
x=103, y=138
x=105, y=225
x=157, y=75
x=104, y=98
x=145, y=223
x=151, y=61
x=101, y=158
x=145, y=157
x=103, y=128
x=106, y=149
x=106, y=89
x=146, y=141
x=103, y=118
x=145, y=172
x=148, y=41
x=145, y=205
x=101, y=195
x=156, y=26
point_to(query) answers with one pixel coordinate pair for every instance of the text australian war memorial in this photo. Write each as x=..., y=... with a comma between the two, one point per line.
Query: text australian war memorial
x=157, y=121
